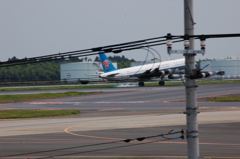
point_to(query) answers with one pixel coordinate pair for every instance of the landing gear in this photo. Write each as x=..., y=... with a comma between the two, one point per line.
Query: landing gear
x=141, y=84
x=161, y=83
x=84, y=82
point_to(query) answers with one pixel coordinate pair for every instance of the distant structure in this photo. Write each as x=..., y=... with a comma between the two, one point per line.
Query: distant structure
x=83, y=72
x=231, y=66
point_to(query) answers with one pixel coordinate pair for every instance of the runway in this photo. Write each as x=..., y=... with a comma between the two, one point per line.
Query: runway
x=123, y=113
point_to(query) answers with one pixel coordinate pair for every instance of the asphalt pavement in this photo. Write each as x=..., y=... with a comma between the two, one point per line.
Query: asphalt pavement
x=123, y=113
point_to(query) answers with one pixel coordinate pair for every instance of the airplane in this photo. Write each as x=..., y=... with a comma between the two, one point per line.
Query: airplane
x=174, y=69
x=141, y=73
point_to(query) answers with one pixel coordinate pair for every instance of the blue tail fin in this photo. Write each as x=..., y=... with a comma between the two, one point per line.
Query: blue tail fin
x=106, y=63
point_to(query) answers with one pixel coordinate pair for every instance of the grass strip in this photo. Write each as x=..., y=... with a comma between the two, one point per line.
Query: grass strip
x=56, y=87
x=10, y=114
x=225, y=99
x=167, y=83
x=173, y=83
x=23, y=97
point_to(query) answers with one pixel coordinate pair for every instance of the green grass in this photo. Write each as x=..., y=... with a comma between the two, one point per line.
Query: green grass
x=56, y=87
x=225, y=99
x=168, y=83
x=10, y=114
x=218, y=81
x=23, y=97
x=172, y=83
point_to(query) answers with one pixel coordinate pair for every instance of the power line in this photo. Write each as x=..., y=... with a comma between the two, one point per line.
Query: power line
x=115, y=48
x=125, y=140
x=166, y=139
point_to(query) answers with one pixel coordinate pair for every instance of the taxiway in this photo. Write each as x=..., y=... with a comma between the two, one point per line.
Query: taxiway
x=122, y=113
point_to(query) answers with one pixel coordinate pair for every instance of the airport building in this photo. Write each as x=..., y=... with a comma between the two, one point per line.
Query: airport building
x=230, y=65
x=83, y=72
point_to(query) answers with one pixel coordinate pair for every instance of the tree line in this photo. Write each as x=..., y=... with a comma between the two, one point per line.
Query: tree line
x=47, y=71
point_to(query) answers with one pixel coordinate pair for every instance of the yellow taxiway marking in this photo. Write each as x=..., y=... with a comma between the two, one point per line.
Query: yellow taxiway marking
x=66, y=130
x=110, y=109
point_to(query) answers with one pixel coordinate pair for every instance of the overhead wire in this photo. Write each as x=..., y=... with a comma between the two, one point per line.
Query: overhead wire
x=146, y=58
x=166, y=139
x=115, y=48
x=208, y=36
x=105, y=143
x=153, y=56
x=4, y=64
x=139, y=42
x=160, y=58
x=143, y=62
x=80, y=53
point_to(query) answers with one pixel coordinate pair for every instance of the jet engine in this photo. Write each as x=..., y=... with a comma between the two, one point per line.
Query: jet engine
x=156, y=72
x=199, y=74
x=174, y=76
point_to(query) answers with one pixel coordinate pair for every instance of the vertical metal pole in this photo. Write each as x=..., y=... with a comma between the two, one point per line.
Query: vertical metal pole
x=191, y=104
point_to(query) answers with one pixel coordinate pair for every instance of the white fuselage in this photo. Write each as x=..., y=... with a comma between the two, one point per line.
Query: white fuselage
x=132, y=73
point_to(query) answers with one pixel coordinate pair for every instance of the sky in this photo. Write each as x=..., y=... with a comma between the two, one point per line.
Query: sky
x=31, y=28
